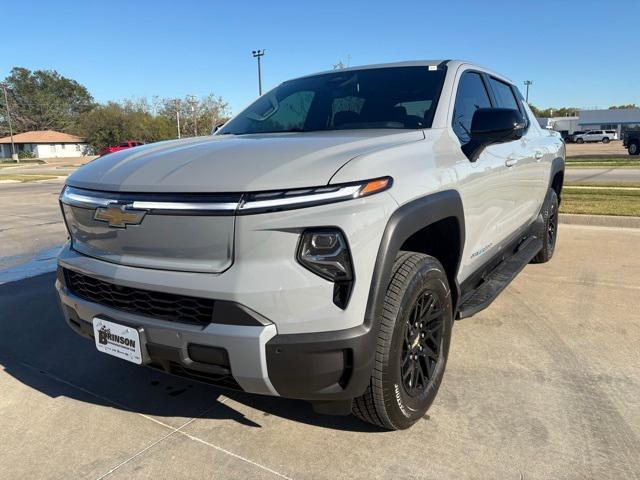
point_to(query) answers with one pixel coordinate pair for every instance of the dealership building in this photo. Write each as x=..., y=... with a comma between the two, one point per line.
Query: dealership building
x=619, y=120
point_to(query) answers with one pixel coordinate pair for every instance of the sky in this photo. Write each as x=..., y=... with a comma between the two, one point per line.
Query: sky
x=576, y=53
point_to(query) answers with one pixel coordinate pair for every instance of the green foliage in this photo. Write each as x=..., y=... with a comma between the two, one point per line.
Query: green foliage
x=44, y=100
x=25, y=154
x=620, y=107
x=554, y=112
x=569, y=111
x=112, y=123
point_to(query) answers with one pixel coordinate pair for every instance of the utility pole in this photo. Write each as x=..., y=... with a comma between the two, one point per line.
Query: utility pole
x=14, y=156
x=527, y=83
x=257, y=54
x=177, y=103
x=193, y=103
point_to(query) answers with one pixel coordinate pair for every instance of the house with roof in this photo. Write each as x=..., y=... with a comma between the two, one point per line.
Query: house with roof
x=45, y=144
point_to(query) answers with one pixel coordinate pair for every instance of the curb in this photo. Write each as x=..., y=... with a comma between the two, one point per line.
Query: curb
x=600, y=220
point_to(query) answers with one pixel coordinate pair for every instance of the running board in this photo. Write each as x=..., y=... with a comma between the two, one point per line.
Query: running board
x=496, y=281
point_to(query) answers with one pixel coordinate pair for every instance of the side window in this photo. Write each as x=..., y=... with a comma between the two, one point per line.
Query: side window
x=472, y=94
x=504, y=94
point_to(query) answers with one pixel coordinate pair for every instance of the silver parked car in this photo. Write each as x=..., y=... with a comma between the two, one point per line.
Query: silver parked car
x=604, y=136
x=321, y=243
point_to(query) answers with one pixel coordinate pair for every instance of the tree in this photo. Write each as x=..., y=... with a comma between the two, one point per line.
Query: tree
x=554, y=112
x=45, y=100
x=208, y=112
x=620, y=107
x=113, y=123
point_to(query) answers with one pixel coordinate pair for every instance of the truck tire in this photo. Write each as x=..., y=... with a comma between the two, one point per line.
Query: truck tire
x=549, y=230
x=605, y=140
x=412, y=344
x=634, y=148
x=580, y=140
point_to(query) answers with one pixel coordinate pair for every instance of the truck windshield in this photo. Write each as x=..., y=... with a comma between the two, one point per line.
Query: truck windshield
x=393, y=97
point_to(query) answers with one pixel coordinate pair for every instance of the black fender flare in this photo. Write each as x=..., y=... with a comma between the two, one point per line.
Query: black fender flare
x=403, y=223
x=557, y=165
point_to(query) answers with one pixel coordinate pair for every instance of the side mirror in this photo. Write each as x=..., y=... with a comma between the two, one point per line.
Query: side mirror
x=490, y=126
x=216, y=128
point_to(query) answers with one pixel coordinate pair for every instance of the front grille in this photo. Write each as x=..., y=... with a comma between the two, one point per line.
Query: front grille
x=160, y=305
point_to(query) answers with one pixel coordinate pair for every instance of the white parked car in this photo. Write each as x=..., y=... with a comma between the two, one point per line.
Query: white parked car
x=604, y=136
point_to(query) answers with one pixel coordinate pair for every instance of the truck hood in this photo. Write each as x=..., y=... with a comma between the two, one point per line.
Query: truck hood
x=228, y=163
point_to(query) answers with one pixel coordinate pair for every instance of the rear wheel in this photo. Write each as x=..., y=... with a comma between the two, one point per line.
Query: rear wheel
x=549, y=231
x=605, y=140
x=580, y=140
x=634, y=148
x=412, y=345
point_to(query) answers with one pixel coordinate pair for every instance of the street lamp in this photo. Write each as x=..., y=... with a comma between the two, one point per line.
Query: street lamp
x=14, y=156
x=527, y=83
x=191, y=99
x=177, y=105
x=257, y=54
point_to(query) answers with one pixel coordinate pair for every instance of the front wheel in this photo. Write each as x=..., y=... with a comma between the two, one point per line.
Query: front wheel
x=634, y=148
x=605, y=140
x=580, y=140
x=412, y=344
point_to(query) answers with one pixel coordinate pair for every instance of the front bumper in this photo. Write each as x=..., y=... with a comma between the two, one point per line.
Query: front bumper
x=325, y=367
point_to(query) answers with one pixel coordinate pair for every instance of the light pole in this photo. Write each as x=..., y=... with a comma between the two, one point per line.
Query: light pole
x=6, y=102
x=193, y=102
x=527, y=83
x=257, y=54
x=178, y=115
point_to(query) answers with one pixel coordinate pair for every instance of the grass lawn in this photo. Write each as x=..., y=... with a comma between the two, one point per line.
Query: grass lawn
x=599, y=199
x=603, y=162
x=27, y=178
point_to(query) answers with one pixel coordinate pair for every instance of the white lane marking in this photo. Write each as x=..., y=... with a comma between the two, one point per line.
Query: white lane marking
x=173, y=429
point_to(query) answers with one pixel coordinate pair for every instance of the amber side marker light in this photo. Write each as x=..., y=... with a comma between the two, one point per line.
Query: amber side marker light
x=375, y=186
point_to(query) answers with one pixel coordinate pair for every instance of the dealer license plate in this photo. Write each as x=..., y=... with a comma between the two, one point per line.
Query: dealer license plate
x=117, y=340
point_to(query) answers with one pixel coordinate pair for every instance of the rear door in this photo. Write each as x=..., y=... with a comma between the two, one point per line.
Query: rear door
x=524, y=164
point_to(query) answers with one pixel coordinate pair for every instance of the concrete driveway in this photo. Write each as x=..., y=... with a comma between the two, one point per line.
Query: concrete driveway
x=543, y=384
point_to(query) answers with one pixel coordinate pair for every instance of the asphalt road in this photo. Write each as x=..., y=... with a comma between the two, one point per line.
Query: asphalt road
x=543, y=384
x=602, y=175
x=30, y=221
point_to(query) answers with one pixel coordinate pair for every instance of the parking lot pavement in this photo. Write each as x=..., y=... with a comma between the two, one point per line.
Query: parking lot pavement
x=543, y=384
x=613, y=148
x=30, y=221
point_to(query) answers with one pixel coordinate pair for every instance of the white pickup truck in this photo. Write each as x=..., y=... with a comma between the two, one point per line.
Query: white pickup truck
x=320, y=245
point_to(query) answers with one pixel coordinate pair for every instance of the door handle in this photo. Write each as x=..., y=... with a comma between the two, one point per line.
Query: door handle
x=510, y=161
x=538, y=155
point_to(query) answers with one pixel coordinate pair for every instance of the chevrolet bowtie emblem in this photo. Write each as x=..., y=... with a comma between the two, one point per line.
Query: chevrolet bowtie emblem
x=119, y=216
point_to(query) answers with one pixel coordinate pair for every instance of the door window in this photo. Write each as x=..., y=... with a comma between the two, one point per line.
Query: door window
x=504, y=94
x=472, y=95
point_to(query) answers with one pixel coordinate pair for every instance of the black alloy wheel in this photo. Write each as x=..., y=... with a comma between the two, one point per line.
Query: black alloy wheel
x=422, y=347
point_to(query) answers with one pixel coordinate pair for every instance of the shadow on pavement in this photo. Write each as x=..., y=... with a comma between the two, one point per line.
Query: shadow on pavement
x=36, y=343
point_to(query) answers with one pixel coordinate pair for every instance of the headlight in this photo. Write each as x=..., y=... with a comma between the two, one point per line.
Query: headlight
x=262, y=202
x=324, y=251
